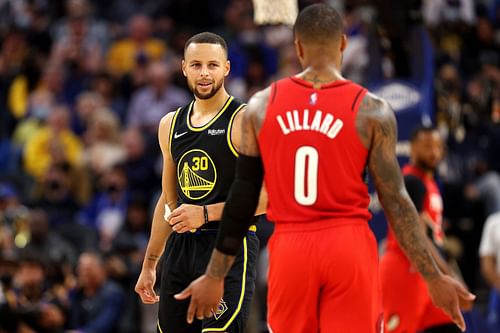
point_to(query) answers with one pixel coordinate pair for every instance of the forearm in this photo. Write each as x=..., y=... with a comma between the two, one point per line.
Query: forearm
x=160, y=231
x=492, y=278
x=425, y=223
x=219, y=264
x=262, y=206
x=215, y=211
x=440, y=262
x=403, y=218
x=488, y=268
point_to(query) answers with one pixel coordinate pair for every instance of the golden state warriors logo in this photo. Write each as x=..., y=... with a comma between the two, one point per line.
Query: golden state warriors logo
x=196, y=174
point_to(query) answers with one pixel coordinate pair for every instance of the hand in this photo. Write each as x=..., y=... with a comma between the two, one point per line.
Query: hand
x=144, y=286
x=447, y=293
x=206, y=293
x=186, y=218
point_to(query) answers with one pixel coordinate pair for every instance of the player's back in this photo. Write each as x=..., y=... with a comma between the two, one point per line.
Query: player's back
x=314, y=160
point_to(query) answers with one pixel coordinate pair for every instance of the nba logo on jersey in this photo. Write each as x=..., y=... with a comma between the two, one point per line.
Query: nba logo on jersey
x=313, y=99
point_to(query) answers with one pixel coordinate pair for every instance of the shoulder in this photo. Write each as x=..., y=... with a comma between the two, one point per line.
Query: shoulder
x=167, y=119
x=258, y=102
x=376, y=108
x=375, y=120
x=165, y=124
x=256, y=108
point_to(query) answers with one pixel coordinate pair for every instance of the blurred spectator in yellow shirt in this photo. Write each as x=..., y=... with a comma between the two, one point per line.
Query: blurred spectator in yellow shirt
x=55, y=142
x=123, y=55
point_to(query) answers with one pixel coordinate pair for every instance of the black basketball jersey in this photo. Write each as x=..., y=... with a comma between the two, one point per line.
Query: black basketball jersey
x=204, y=156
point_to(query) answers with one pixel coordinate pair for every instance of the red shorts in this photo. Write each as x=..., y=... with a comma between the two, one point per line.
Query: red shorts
x=408, y=307
x=323, y=277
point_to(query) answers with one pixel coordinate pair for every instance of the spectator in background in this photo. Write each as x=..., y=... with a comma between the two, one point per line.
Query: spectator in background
x=489, y=252
x=97, y=303
x=140, y=164
x=80, y=12
x=60, y=194
x=12, y=218
x=58, y=251
x=87, y=104
x=480, y=47
x=356, y=56
x=103, y=145
x=54, y=194
x=22, y=86
x=104, y=85
x=13, y=52
x=42, y=97
x=149, y=104
x=122, y=55
x=449, y=106
x=31, y=305
x=106, y=212
x=54, y=141
x=130, y=246
x=77, y=51
x=437, y=12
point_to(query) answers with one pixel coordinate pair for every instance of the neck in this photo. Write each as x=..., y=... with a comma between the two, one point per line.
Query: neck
x=91, y=290
x=320, y=73
x=212, y=104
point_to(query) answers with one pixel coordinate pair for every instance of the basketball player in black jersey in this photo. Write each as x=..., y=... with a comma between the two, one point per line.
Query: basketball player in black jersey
x=199, y=143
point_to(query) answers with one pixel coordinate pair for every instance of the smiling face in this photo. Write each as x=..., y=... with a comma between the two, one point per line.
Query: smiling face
x=205, y=66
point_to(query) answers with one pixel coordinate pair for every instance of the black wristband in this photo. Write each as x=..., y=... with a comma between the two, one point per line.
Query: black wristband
x=205, y=213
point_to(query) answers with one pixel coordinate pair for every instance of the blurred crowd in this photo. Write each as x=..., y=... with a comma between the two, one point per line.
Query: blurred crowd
x=84, y=83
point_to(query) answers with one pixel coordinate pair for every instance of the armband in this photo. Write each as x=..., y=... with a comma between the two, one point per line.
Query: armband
x=241, y=204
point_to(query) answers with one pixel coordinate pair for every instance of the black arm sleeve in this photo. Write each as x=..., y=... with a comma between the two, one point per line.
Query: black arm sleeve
x=416, y=190
x=240, y=205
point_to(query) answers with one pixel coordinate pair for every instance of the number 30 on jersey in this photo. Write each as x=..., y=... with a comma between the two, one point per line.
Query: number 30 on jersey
x=306, y=175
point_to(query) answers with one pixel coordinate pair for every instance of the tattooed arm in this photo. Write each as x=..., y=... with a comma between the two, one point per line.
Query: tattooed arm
x=206, y=291
x=376, y=125
x=251, y=123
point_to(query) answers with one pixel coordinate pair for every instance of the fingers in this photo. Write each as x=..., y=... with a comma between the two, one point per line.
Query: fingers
x=464, y=293
x=191, y=311
x=183, y=294
x=147, y=295
x=180, y=228
x=200, y=313
x=175, y=213
x=174, y=220
x=457, y=317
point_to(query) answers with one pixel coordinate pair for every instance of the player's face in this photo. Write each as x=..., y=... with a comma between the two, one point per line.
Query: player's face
x=205, y=66
x=428, y=150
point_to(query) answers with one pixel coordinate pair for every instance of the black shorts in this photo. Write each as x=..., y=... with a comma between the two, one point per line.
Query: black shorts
x=186, y=258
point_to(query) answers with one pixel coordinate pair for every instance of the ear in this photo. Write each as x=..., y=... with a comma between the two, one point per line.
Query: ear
x=227, y=68
x=343, y=42
x=299, y=49
x=183, y=65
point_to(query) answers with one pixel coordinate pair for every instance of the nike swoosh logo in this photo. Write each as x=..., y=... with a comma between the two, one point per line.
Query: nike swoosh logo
x=176, y=136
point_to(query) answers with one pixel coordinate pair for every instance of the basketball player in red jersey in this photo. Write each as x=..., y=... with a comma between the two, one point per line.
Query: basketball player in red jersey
x=312, y=136
x=407, y=303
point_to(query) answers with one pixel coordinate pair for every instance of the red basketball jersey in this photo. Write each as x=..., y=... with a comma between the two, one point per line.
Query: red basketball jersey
x=432, y=205
x=314, y=161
